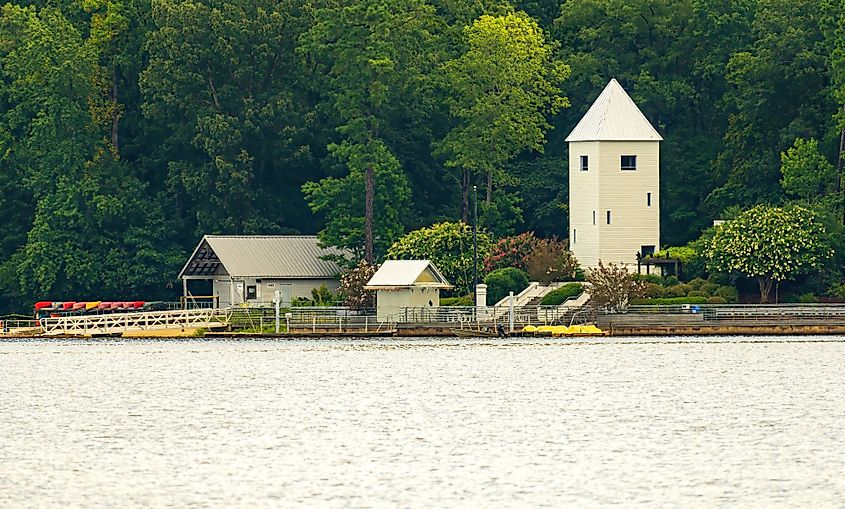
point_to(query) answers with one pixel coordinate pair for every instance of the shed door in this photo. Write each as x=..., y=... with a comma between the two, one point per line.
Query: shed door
x=284, y=294
x=238, y=298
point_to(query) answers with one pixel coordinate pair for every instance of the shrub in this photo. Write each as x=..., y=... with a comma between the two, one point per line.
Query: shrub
x=836, y=290
x=653, y=291
x=511, y=252
x=649, y=278
x=719, y=278
x=671, y=281
x=684, y=254
x=729, y=293
x=322, y=296
x=613, y=286
x=466, y=300
x=716, y=300
x=697, y=283
x=301, y=302
x=696, y=293
x=500, y=282
x=807, y=298
x=670, y=301
x=709, y=288
x=560, y=295
x=674, y=292
x=352, y=286
x=551, y=261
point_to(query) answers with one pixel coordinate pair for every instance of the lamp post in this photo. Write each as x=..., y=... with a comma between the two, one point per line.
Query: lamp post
x=474, y=245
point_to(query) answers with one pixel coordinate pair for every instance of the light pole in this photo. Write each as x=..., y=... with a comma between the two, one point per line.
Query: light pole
x=474, y=245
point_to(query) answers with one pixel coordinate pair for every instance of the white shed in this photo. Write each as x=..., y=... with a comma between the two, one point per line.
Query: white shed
x=614, y=182
x=401, y=284
x=249, y=269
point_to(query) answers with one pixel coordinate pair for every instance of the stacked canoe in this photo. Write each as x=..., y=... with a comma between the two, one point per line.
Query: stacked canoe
x=73, y=308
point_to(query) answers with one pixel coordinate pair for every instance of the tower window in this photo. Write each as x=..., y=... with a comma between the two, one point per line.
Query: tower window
x=608, y=217
x=648, y=199
x=585, y=163
x=629, y=163
x=594, y=217
x=574, y=236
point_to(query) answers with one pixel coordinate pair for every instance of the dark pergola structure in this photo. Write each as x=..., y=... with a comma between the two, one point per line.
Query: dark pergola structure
x=649, y=261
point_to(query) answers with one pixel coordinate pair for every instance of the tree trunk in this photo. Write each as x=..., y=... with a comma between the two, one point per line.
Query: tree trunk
x=115, y=122
x=841, y=162
x=765, y=287
x=489, y=188
x=368, y=214
x=465, y=196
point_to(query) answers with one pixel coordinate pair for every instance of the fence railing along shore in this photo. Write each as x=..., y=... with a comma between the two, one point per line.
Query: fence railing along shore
x=716, y=314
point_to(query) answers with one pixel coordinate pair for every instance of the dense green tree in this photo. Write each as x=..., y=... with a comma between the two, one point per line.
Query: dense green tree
x=770, y=244
x=130, y=127
x=371, y=54
x=221, y=79
x=807, y=174
x=92, y=231
x=671, y=56
x=502, y=87
x=450, y=247
x=768, y=100
x=343, y=203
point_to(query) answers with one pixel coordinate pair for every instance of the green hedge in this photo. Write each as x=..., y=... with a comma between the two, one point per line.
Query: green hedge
x=501, y=282
x=559, y=296
x=466, y=300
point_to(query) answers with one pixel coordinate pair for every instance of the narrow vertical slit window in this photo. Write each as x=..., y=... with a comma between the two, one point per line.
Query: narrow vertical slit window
x=648, y=199
x=608, y=217
x=585, y=163
x=574, y=235
x=594, y=217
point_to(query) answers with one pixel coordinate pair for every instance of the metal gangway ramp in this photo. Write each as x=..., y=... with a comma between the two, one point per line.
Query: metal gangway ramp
x=114, y=323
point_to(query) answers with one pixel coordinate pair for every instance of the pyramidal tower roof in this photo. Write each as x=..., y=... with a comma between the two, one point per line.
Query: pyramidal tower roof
x=614, y=117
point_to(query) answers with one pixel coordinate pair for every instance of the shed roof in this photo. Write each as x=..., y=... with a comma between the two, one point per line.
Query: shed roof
x=266, y=256
x=395, y=274
x=614, y=117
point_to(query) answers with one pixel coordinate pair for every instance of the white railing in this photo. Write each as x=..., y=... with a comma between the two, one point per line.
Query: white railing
x=460, y=316
x=126, y=322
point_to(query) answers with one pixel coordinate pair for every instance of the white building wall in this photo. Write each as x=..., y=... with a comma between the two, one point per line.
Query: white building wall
x=583, y=201
x=391, y=304
x=625, y=194
x=265, y=290
x=606, y=187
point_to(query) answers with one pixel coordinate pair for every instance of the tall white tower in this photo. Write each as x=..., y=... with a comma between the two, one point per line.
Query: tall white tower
x=614, y=182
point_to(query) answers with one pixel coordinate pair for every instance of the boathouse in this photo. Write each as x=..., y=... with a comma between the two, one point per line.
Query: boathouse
x=406, y=285
x=614, y=182
x=249, y=269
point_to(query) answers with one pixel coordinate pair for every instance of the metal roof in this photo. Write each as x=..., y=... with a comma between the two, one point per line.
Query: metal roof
x=614, y=117
x=266, y=256
x=405, y=274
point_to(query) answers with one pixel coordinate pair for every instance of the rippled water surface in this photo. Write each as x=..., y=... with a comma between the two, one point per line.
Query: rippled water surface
x=422, y=423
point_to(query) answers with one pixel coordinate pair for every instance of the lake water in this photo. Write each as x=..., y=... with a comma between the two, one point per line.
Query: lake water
x=422, y=423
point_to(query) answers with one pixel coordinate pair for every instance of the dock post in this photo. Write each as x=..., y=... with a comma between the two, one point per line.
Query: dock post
x=276, y=300
x=366, y=323
x=510, y=312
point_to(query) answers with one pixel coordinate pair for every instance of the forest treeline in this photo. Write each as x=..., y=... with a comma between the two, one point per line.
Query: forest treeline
x=130, y=128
